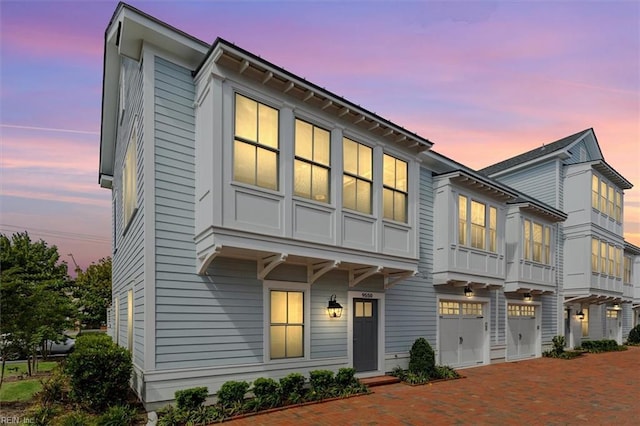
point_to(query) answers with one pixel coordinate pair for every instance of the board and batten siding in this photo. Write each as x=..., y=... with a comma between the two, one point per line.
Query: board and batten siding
x=128, y=245
x=410, y=305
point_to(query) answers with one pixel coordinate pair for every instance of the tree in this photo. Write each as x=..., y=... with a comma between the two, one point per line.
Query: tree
x=92, y=291
x=34, y=301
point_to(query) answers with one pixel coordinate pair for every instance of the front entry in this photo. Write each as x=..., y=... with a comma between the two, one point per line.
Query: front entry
x=365, y=335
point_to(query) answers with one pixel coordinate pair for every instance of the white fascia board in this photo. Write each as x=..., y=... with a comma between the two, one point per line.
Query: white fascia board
x=562, y=154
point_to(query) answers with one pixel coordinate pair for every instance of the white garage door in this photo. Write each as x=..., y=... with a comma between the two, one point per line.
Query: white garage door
x=613, y=326
x=521, y=320
x=462, y=333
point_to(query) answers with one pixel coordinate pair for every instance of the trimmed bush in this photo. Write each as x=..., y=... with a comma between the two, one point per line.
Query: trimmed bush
x=346, y=377
x=232, y=393
x=99, y=372
x=558, y=345
x=322, y=383
x=596, y=346
x=191, y=399
x=266, y=394
x=292, y=387
x=118, y=415
x=75, y=418
x=634, y=335
x=422, y=360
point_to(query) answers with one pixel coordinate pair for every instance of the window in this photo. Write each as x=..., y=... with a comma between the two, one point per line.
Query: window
x=547, y=245
x=603, y=257
x=358, y=176
x=255, y=155
x=585, y=321
x=363, y=310
x=595, y=184
x=627, y=270
x=612, y=257
x=603, y=197
x=493, y=226
x=286, y=328
x=471, y=309
x=618, y=262
x=449, y=308
x=537, y=242
x=611, y=313
x=462, y=220
x=129, y=177
x=618, y=206
x=130, y=321
x=312, y=162
x=478, y=225
x=394, y=184
x=594, y=255
x=610, y=200
x=521, y=311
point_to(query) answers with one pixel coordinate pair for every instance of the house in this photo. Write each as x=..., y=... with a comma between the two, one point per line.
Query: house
x=572, y=175
x=263, y=225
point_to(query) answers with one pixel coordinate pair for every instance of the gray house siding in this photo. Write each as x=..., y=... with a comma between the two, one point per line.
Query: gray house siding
x=411, y=310
x=498, y=318
x=128, y=260
x=539, y=182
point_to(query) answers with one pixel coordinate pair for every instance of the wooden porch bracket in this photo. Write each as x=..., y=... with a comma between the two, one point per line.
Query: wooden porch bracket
x=394, y=278
x=266, y=264
x=317, y=270
x=357, y=275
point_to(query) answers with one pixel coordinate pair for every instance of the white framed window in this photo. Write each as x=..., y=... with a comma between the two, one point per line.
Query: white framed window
x=627, y=270
x=449, y=308
x=595, y=255
x=493, y=229
x=603, y=257
x=256, y=143
x=130, y=176
x=606, y=198
x=357, y=180
x=462, y=220
x=618, y=262
x=477, y=224
x=595, y=192
x=312, y=163
x=618, y=206
x=287, y=315
x=130, y=321
x=612, y=258
x=395, y=191
x=537, y=242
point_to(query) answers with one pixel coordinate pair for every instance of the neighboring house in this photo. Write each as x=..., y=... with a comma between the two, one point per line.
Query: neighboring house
x=631, y=279
x=248, y=201
x=572, y=175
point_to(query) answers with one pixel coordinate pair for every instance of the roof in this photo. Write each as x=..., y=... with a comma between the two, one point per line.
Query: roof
x=542, y=151
x=630, y=248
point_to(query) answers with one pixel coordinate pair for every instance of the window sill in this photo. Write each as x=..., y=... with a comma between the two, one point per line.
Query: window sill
x=396, y=223
x=258, y=190
x=535, y=263
x=302, y=200
x=476, y=250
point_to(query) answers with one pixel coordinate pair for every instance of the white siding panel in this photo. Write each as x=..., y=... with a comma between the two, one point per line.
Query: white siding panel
x=538, y=182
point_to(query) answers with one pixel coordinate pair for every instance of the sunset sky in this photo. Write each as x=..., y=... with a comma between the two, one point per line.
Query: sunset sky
x=483, y=80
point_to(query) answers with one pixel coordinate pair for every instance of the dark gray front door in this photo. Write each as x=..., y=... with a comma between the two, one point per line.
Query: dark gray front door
x=365, y=334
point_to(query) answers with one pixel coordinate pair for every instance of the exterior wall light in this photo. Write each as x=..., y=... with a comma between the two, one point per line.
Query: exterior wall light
x=616, y=307
x=468, y=292
x=334, y=309
x=580, y=315
x=527, y=297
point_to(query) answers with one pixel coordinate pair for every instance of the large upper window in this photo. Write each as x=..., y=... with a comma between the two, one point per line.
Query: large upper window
x=537, y=242
x=603, y=257
x=474, y=220
x=358, y=176
x=255, y=155
x=606, y=199
x=395, y=189
x=594, y=255
x=286, y=328
x=312, y=162
x=129, y=173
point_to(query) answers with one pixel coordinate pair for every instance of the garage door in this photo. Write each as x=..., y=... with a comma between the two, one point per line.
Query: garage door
x=613, y=325
x=462, y=333
x=521, y=320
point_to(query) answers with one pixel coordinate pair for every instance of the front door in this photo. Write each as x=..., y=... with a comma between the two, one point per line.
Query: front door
x=365, y=335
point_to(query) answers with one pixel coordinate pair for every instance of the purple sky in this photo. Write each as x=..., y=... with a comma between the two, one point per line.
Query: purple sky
x=484, y=81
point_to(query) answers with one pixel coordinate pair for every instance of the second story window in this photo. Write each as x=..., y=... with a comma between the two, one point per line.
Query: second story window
x=129, y=178
x=474, y=220
x=594, y=255
x=312, y=162
x=627, y=270
x=395, y=189
x=603, y=257
x=537, y=242
x=357, y=179
x=255, y=155
x=606, y=199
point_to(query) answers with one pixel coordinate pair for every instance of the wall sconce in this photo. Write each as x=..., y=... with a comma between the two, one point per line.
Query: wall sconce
x=616, y=307
x=334, y=309
x=527, y=297
x=468, y=292
x=580, y=315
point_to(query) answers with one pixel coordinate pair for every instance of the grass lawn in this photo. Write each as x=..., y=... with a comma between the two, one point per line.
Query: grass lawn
x=43, y=367
x=22, y=390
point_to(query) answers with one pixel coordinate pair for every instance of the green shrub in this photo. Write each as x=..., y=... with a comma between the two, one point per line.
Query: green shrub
x=597, y=346
x=42, y=415
x=232, y=392
x=99, y=372
x=445, y=372
x=170, y=416
x=191, y=399
x=346, y=377
x=322, y=383
x=399, y=372
x=54, y=389
x=634, y=335
x=266, y=394
x=75, y=418
x=558, y=345
x=118, y=415
x=292, y=387
x=422, y=360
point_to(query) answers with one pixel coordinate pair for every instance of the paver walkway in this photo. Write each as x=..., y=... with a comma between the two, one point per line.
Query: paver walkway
x=595, y=389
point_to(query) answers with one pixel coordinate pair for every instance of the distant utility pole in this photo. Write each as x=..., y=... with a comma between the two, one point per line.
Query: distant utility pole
x=78, y=270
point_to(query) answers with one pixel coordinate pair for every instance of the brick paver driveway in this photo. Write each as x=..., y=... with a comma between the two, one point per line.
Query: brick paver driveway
x=596, y=389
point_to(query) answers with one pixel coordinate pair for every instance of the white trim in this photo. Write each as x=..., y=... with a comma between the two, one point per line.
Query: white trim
x=380, y=297
x=486, y=313
x=149, y=276
x=269, y=285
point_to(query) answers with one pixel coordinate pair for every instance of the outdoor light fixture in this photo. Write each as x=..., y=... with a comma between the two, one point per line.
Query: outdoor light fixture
x=616, y=307
x=334, y=309
x=527, y=297
x=468, y=292
x=580, y=315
